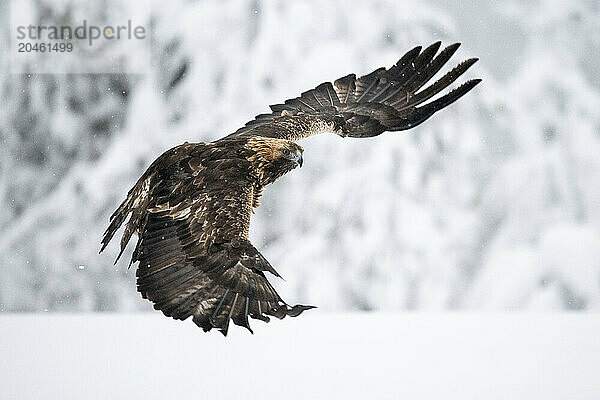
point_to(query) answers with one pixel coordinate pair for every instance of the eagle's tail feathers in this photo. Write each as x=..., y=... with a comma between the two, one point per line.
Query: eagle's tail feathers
x=134, y=207
x=116, y=220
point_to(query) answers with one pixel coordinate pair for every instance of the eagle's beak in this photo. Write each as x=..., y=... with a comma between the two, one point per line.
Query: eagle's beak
x=300, y=160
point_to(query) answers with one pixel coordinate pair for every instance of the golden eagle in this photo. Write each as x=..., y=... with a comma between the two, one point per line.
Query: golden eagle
x=191, y=208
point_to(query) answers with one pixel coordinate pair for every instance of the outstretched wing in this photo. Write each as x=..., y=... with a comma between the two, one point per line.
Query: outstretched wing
x=384, y=100
x=192, y=216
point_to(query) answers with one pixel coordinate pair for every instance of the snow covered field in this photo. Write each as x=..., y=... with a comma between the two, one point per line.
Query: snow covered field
x=318, y=356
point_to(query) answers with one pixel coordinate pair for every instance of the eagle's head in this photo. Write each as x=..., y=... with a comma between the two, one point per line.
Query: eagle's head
x=290, y=152
x=270, y=151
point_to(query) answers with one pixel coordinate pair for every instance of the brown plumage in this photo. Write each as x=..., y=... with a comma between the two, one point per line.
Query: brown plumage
x=191, y=208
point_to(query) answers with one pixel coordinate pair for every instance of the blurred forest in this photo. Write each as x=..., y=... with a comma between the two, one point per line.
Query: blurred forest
x=494, y=203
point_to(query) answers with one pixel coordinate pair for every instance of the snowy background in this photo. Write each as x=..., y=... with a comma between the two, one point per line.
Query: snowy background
x=492, y=204
x=375, y=355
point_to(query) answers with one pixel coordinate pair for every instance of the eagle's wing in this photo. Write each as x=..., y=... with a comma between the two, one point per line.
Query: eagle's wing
x=192, y=218
x=384, y=100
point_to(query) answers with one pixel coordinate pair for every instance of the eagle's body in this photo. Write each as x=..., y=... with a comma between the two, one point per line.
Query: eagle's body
x=191, y=208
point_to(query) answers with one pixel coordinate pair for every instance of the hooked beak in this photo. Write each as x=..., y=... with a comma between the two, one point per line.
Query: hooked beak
x=300, y=161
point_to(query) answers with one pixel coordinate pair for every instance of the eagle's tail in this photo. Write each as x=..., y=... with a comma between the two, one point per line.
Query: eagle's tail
x=135, y=204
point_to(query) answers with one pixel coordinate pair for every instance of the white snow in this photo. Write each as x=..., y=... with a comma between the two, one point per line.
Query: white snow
x=493, y=204
x=320, y=355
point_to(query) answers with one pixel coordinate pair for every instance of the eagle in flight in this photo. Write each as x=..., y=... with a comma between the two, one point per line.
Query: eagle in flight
x=191, y=208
